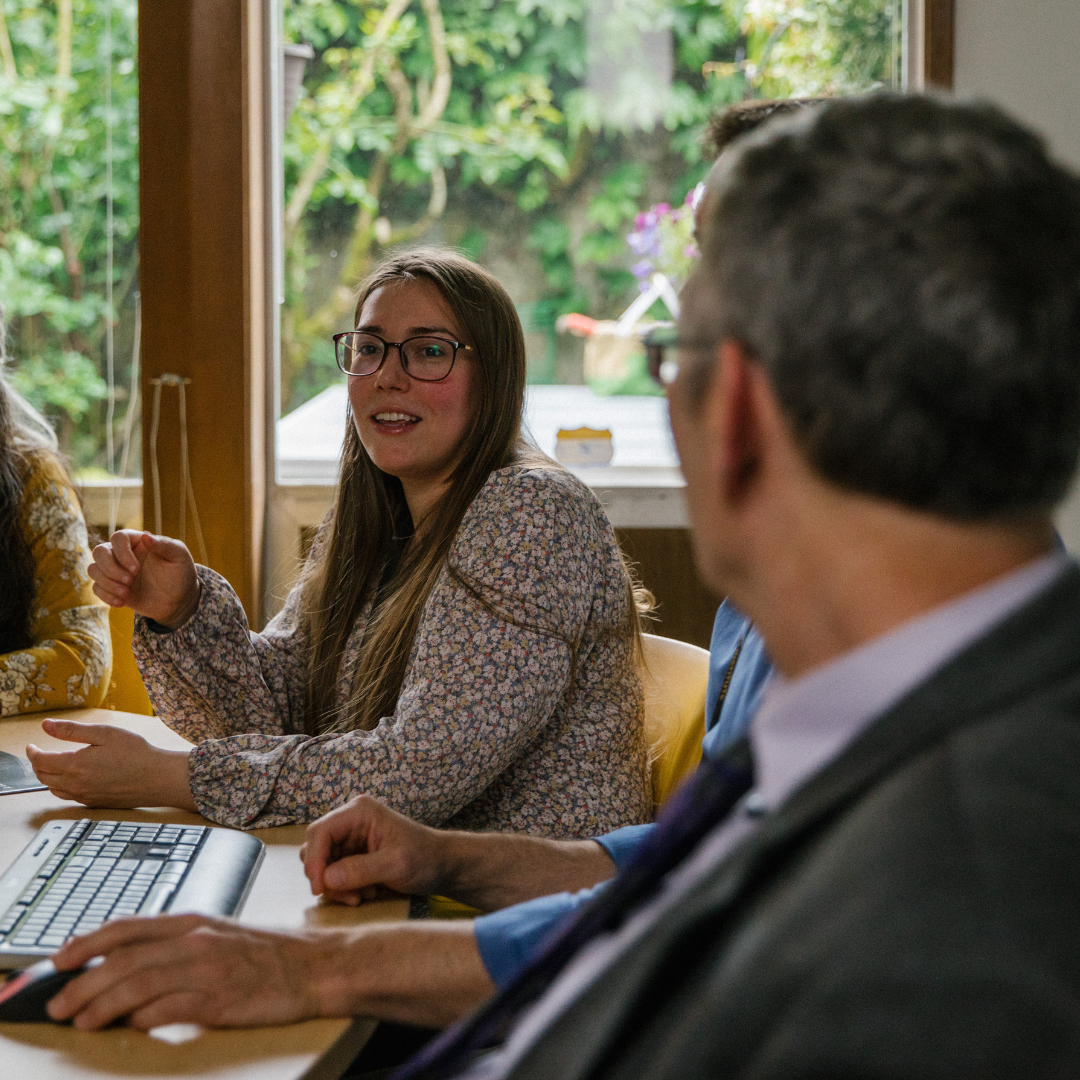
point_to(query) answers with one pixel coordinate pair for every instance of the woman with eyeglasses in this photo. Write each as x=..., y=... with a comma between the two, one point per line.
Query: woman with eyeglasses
x=55, y=650
x=463, y=642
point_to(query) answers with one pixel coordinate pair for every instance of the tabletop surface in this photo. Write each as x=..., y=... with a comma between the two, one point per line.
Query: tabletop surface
x=313, y=1050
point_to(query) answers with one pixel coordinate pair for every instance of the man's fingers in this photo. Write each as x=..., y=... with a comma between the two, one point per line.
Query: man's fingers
x=113, y=990
x=143, y=961
x=355, y=872
x=123, y=932
x=182, y=1007
x=316, y=854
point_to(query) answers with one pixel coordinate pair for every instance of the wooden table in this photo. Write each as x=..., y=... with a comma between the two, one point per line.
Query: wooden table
x=313, y=1050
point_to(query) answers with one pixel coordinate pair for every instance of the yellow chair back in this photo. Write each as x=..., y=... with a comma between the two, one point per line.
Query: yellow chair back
x=676, y=676
x=126, y=690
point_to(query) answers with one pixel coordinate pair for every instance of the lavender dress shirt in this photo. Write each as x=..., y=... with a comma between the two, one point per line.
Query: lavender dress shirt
x=802, y=725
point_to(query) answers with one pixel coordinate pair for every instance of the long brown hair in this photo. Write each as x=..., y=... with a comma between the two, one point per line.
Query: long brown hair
x=370, y=519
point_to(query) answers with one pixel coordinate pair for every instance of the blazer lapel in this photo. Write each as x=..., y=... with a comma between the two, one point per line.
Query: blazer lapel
x=1035, y=648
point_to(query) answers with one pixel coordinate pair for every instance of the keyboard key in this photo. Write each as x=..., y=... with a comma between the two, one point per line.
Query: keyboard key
x=53, y=941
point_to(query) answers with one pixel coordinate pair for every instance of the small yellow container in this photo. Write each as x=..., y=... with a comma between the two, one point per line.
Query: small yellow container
x=584, y=446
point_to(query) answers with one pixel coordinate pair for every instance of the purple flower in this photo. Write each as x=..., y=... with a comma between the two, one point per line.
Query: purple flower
x=642, y=271
x=662, y=210
x=646, y=242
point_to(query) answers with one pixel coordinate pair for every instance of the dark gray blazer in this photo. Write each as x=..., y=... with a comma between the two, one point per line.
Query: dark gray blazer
x=912, y=912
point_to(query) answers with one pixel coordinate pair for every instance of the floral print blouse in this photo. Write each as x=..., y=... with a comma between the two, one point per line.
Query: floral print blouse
x=70, y=660
x=488, y=732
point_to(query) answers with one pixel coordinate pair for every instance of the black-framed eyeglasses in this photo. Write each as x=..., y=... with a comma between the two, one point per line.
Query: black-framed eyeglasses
x=662, y=344
x=429, y=359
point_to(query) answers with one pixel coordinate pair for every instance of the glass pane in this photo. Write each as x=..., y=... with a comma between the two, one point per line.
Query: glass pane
x=557, y=141
x=69, y=218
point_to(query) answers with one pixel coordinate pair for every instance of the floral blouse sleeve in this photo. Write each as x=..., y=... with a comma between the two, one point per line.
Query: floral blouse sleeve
x=213, y=677
x=70, y=661
x=490, y=667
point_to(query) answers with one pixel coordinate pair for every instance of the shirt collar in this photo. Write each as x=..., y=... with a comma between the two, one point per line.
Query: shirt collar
x=805, y=722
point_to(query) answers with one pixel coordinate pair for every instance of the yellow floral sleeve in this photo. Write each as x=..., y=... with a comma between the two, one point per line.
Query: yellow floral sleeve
x=70, y=662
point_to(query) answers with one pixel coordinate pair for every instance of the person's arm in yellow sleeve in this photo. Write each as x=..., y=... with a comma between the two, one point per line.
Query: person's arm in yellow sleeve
x=70, y=660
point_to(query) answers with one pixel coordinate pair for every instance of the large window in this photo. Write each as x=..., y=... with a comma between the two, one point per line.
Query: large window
x=556, y=141
x=69, y=268
x=531, y=135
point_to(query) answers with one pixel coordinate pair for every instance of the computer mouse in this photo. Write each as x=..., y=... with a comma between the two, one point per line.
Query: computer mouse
x=23, y=997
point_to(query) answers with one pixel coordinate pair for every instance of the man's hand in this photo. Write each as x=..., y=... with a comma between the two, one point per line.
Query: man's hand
x=355, y=849
x=153, y=575
x=116, y=768
x=186, y=969
x=355, y=852
x=190, y=969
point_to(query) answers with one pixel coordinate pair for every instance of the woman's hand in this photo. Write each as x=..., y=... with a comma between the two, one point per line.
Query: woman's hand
x=116, y=769
x=152, y=575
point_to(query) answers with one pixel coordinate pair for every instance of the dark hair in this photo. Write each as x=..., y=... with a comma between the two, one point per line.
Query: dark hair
x=728, y=124
x=16, y=564
x=907, y=272
x=25, y=437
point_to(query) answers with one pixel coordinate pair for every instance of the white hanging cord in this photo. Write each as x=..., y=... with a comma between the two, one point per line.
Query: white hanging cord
x=187, y=492
x=134, y=400
x=110, y=353
x=133, y=389
x=185, y=476
x=156, y=416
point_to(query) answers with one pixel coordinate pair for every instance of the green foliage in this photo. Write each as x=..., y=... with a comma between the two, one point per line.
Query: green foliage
x=60, y=382
x=52, y=204
x=531, y=167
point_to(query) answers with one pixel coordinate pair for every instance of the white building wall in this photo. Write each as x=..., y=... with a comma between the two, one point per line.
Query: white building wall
x=1025, y=55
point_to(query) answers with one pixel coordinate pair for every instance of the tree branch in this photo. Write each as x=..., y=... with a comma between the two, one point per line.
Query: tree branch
x=7, y=55
x=435, y=105
x=436, y=206
x=63, y=41
x=361, y=86
x=71, y=252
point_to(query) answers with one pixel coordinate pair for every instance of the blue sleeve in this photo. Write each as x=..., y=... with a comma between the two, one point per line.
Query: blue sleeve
x=509, y=938
x=623, y=843
x=738, y=670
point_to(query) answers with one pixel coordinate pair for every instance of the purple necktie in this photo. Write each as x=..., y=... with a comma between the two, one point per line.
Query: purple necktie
x=695, y=809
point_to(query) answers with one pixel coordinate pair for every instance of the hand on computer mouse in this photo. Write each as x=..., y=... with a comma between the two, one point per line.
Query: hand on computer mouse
x=24, y=997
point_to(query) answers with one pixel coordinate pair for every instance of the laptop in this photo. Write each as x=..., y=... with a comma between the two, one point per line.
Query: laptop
x=75, y=875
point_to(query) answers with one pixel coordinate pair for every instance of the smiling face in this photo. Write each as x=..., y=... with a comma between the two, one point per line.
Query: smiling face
x=411, y=429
